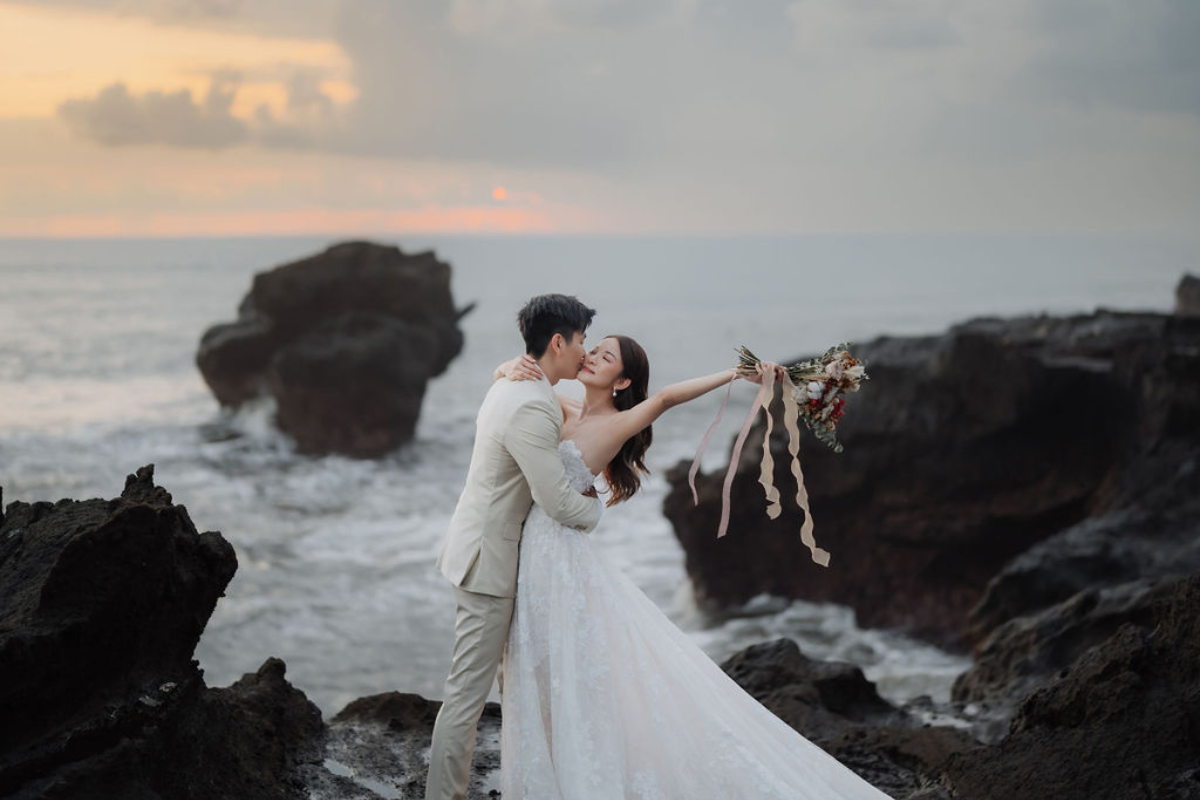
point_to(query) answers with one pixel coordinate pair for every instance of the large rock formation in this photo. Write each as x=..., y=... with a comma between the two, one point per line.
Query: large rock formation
x=962, y=452
x=101, y=605
x=345, y=341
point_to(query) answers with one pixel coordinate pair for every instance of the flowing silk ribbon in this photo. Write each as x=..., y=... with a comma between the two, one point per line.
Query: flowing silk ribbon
x=791, y=413
x=704, y=443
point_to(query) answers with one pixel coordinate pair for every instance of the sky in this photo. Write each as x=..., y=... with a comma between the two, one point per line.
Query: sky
x=728, y=117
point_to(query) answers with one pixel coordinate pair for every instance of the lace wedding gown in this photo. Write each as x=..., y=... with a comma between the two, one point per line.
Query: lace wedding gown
x=604, y=697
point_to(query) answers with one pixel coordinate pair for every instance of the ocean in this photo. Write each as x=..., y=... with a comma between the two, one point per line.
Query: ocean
x=336, y=574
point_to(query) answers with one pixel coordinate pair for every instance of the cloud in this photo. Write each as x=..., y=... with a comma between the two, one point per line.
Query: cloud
x=847, y=25
x=771, y=115
x=273, y=17
x=1143, y=56
x=116, y=118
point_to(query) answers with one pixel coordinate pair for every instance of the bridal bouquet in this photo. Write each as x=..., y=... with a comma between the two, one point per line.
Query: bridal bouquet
x=815, y=391
x=819, y=388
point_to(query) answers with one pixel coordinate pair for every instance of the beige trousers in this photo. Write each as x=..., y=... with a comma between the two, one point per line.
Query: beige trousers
x=480, y=633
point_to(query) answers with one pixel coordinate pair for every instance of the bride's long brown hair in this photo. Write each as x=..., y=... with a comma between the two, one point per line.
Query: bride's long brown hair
x=622, y=473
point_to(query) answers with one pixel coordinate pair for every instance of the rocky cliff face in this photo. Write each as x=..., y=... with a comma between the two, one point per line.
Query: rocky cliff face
x=344, y=341
x=962, y=453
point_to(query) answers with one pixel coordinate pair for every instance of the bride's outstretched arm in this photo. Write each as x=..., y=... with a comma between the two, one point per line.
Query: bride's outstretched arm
x=690, y=389
x=646, y=412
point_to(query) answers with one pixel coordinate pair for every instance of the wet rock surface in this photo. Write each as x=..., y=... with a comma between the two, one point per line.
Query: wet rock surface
x=344, y=342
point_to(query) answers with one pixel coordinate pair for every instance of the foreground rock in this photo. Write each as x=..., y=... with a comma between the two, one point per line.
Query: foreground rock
x=377, y=745
x=1119, y=722
x=963, y=452
x=1027, y=651
x=834, y=706
x=344, y=341
x=101, y=605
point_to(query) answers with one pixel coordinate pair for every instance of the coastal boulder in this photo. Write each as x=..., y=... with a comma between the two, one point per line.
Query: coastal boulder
x=102, y=603
x=344, y=342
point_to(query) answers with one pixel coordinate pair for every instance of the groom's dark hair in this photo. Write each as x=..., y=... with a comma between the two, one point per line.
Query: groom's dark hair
x=548, y=314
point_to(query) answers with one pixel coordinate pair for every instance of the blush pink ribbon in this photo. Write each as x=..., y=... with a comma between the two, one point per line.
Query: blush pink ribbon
x=791, y=413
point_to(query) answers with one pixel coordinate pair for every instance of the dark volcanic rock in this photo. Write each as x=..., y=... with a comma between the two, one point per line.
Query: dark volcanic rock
x=1100, y=552
x=1187, y=296
x=815, y=697
x=379, y=745
x=397, y=710
x=1120, y=722
x=345, y=341
x=835, y=707
x=962, y=452
x=1025, y=652
x=101, y=605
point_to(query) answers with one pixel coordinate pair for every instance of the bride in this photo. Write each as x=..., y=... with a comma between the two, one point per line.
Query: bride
x=603, y=697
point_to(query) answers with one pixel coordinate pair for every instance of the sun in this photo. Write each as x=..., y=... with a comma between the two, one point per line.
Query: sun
x=499, y=193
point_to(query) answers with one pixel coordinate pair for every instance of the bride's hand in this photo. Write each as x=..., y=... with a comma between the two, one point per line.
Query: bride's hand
x=763, y=367
x=521, y=368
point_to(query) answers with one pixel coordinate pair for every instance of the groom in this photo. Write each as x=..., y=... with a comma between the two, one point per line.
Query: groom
x=515, y=462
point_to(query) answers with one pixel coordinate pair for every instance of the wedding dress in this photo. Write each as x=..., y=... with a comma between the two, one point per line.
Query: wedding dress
x=604, y=697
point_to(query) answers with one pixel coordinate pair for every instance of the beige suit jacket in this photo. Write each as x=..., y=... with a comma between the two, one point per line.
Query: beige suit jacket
x=515, y=462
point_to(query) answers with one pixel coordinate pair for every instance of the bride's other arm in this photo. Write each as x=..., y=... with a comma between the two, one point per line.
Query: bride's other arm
x=521, y=368
x=525, y=368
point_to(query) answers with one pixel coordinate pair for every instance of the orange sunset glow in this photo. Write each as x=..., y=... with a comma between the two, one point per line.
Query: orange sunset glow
x=213, y=117
x=54, y=183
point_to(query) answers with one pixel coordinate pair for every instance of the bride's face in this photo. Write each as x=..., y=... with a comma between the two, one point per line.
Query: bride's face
x=602, y=367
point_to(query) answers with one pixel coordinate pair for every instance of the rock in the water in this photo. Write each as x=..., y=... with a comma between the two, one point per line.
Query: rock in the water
x=1119, y=722
x=833, y=705
x=102, y=603
x=345, y=341
x=962, y=452
x=1187, y=296
x=814, y=697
